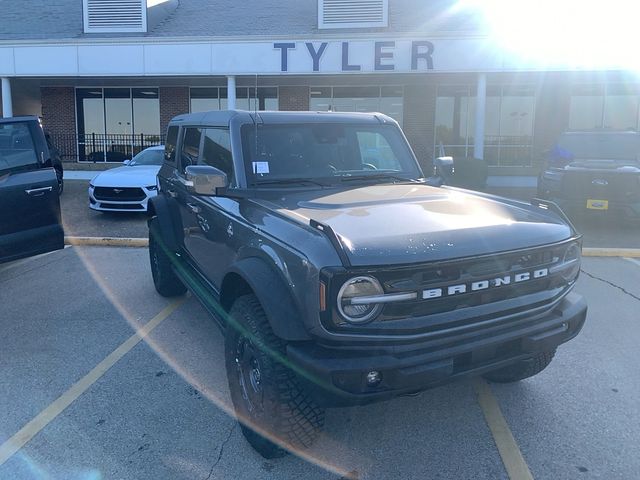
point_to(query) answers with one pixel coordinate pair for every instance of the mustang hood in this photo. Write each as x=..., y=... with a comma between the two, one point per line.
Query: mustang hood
x=395, y=224
x=136, y=176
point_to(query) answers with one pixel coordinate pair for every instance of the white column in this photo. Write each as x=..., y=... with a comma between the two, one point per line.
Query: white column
x=231, y=92
x=7, y=105
x=481, y=105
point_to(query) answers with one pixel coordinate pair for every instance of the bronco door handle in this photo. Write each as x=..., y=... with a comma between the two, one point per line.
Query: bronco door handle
x=194, y=208
x=38, y=192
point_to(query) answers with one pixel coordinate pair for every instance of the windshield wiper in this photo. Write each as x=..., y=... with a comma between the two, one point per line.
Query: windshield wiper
x=290, y=181
x=385, y=176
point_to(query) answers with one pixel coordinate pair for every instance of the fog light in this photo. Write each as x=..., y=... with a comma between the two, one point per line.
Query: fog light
x=374, y=378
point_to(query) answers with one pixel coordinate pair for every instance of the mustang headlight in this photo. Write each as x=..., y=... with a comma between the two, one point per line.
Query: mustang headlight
x=353, y=303
x=152, y=187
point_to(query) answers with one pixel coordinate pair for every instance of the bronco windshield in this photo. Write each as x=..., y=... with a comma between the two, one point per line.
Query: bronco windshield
x=326, y=152
x=601, y=146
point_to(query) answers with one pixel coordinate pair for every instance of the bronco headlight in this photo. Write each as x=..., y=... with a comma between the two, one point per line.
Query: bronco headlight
x=354, y=302
x=569, y=266
x=571, y=263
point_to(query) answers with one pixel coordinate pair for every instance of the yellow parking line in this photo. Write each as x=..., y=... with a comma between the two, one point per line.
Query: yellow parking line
x=611, y=252
x=107, y=241
x=31, y=429
x=512, y=458
x=633, y=260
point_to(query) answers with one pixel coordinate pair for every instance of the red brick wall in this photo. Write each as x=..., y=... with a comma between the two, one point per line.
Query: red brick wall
x=419, y=119
x=59, y=110
x=59, y=119
x=294, y=98
x=173, y=101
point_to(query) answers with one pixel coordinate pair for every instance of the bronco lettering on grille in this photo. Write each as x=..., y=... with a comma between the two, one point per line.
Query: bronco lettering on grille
x=484, y=284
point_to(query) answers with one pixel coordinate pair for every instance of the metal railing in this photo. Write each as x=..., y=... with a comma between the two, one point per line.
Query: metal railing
x=96, y=147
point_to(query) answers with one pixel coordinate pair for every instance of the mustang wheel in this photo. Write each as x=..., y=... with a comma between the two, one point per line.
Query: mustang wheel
x=274, y=411
x=521, y=370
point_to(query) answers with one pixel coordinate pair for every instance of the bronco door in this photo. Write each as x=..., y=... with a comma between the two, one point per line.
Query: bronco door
x=30, y=221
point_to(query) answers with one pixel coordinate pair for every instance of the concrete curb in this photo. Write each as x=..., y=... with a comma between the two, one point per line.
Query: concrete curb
x=144, y=243
x=611, y=252
x=107, y=242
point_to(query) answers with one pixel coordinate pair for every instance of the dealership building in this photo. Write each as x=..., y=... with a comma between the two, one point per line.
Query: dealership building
x=106, y=76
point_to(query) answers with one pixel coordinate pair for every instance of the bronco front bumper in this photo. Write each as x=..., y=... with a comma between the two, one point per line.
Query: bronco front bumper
x=337, y=376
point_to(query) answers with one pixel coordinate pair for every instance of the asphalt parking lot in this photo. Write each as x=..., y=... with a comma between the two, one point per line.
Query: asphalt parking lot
x=90, y=402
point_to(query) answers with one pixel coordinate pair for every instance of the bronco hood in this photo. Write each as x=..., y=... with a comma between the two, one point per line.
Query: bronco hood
x=395, y=224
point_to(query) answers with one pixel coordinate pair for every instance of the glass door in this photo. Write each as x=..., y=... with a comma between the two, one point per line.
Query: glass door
x=118, y=123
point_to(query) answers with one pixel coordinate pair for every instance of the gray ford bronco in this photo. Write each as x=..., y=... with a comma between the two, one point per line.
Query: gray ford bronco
x=341, y=276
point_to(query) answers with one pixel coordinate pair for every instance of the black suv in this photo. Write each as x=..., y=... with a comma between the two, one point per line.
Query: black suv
x=594, y=171
x=30, y=182
x=341, y=276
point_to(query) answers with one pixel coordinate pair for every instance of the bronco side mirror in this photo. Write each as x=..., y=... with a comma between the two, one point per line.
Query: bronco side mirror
x=443, y=167
x=205, y=180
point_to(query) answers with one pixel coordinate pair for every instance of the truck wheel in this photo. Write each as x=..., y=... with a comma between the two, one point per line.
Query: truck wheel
x=165, y=280
x=521, y=370
x=273, y=409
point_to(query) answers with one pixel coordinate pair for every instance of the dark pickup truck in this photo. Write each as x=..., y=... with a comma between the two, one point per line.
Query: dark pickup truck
x=594, y=171
x=30, y=183
x=341, y=276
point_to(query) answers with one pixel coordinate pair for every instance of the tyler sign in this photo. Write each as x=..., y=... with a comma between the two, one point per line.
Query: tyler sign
x=377, y=56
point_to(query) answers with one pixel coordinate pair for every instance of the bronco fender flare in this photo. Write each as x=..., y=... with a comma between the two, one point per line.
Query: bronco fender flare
x=274, y=296
x=159, y=209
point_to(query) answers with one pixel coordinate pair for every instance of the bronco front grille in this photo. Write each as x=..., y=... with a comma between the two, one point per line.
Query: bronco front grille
x=436, y=309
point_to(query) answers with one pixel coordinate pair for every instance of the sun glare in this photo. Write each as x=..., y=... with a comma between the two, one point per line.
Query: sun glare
x=575, y=34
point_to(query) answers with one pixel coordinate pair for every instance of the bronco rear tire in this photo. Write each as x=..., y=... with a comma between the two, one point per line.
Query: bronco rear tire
x=274, y=411
x=521, y=370
x=165, y=280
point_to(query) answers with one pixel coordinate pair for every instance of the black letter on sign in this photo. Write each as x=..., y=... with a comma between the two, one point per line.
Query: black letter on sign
x=380, y=55
x=426, y=55
x=316, y=55
x=284, y=51
x=345, y=59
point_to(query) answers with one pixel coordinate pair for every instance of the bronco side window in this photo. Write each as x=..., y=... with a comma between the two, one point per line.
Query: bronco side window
x=170, y=145
x=216, y=151
x=190, y=147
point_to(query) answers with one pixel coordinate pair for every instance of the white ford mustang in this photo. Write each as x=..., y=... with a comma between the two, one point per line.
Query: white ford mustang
x=130, y=187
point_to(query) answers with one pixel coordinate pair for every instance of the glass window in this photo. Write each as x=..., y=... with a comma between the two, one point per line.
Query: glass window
x=216, y=150
x=204, y=99
x=170, y=145
x=190, y=147
x=387, y=100
x=17, y=151
x=454, y=121
x=621, y=107
x=586, y=108
x=146, y=111
x=148, y=157
x=376, y=153
x=330, y=152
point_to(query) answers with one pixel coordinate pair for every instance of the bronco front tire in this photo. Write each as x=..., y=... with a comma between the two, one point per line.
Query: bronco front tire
x=522, y=369
x=274, y=411
x=165, y=280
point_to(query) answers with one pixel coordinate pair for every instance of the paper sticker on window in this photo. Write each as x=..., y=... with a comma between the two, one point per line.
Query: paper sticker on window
x=260, y=167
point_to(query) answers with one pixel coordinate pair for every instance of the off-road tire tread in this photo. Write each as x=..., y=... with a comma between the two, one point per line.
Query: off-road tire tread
x=165, y=280
x=299, y=419
x=521, y=370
